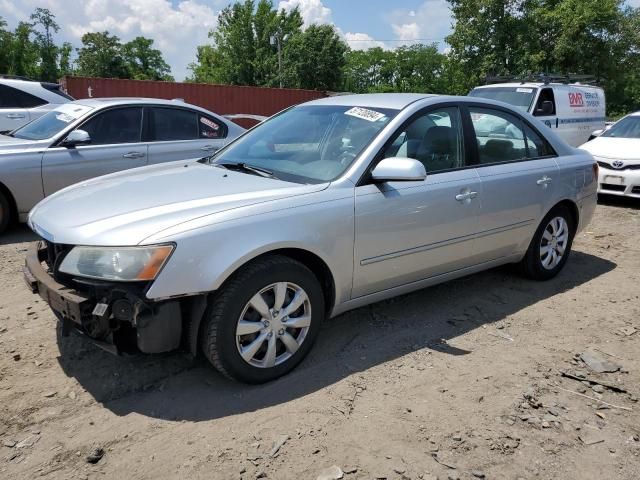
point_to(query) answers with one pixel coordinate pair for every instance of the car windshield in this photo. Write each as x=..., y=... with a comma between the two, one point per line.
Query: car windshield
x=519, y=97
x=52, y=123
x=309, y=143
x=628, y=127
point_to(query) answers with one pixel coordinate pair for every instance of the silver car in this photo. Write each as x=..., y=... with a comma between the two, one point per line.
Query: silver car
x=325, y=207
x=92, y=137
x=23, y=100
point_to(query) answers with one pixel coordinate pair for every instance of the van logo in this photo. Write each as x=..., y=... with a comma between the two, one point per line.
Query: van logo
x=576, y=100
x=617, y=164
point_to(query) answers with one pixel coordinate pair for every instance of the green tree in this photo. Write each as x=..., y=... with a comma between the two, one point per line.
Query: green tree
x=24, y=52
x=244, y=52
x=48, y=68
x=101, y=56
x=145, y=62
x=6, y=41
x=315, y=58
x=65, y=66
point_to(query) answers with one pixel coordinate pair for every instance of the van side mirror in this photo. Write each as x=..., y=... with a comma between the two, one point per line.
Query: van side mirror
x=398, y=169
x=75, y=138
x=545, y=109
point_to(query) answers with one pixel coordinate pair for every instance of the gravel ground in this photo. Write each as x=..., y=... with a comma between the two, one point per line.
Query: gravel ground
x=457, y=381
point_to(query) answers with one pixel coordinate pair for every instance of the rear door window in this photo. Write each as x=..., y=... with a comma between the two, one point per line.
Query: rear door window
x=211, y=128
x=499, y=135
x=115, y=126
x=175, y=124
x=13, y=98
x=537, y=146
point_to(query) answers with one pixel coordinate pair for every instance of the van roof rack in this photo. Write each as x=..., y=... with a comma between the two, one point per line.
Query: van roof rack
x=545, y=78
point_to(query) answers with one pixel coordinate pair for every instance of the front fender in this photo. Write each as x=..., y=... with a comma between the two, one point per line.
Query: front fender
x=205, y=257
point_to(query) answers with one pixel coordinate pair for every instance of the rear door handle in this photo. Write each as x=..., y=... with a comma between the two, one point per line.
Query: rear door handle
x=544, y=181
x=461, y=197
x=15, y=115
x=133, y=155
x=210, y=148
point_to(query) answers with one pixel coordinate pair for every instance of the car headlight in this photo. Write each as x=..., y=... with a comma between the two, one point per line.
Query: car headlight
x=124, y=264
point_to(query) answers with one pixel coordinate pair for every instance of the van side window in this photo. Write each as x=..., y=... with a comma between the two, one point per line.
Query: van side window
x=546, y=105
x=538, y=146
x=499, y=135
x=435, y=139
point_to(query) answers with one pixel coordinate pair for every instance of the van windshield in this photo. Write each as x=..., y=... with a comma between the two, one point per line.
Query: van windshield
x=628, y=127
x=519, y=97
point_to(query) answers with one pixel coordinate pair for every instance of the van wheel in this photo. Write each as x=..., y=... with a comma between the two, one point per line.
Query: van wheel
x=550, y=246
x=264, y=320
x=5, y=213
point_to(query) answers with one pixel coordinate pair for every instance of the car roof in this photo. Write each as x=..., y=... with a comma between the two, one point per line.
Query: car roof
x=396, y=101
x=100, y=102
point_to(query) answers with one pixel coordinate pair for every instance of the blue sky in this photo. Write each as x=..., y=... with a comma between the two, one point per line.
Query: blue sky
x=178, y=26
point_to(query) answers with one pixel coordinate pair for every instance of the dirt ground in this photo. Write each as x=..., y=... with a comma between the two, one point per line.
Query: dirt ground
x=457, y=381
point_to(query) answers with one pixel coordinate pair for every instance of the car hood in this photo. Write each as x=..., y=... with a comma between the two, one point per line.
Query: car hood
x=8, y=143
x=614, y=148
x=126, y=207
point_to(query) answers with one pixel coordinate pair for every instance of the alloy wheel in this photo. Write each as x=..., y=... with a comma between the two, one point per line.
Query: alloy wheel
x=273, y=324
x=554, y=242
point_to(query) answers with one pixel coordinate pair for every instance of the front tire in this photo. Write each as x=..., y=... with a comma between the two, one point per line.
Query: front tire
x=264, y=320
x=5, y=213
x=551, y=245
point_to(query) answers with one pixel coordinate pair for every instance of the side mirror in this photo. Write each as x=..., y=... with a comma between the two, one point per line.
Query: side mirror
x=596, y=134
x=545, y=109
x=75, y=138
x=398, y=169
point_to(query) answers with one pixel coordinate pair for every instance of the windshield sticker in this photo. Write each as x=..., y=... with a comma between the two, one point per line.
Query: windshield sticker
x=209, y=123
x=365, y=114
x=65, y=117
x=524, y=90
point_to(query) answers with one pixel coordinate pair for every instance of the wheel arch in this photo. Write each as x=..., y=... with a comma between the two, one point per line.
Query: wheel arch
x=573, y=209
x=311, y=260
x=13, y=206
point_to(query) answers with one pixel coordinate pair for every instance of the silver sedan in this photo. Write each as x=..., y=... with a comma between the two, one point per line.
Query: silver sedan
x=326, y=207
x=92, y=137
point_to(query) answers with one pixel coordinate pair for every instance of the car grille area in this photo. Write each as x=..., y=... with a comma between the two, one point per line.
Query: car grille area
x=609, y=166
x=612, y=188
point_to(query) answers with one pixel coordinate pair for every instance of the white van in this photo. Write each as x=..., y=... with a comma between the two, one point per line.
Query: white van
x=572, y=110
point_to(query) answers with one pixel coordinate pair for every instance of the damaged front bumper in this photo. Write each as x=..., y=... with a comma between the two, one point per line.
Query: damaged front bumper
x=116, y=316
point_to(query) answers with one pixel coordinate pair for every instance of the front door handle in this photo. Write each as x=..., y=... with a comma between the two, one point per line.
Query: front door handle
x=210, y=148
x=468, y=195
x=544, y=181
x=15, y=115
x=133, y=155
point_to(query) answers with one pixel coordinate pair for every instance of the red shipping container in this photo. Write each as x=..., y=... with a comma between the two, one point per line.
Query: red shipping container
x=220, y=99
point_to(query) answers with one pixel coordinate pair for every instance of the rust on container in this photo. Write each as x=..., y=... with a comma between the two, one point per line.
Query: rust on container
x=221, y=99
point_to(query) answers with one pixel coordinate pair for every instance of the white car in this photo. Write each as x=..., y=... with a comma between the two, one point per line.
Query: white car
x=617, y=151
x=22, y=101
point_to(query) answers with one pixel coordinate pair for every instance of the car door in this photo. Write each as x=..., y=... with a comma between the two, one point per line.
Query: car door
x=408, y=231
x=178, y=133
x=115, y=145
x=518, y=171
x=13, y=109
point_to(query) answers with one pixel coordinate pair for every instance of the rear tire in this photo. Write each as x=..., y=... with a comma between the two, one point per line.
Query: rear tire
x=5, y=213
x=551, y=245
x=264, y=320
